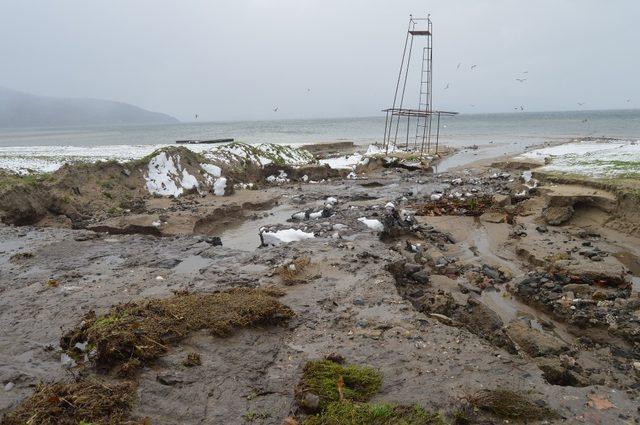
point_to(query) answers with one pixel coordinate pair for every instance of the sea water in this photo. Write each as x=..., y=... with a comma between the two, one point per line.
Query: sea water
x=495, y=134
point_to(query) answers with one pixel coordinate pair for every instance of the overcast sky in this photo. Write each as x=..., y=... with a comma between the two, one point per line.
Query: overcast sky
x=238, y=59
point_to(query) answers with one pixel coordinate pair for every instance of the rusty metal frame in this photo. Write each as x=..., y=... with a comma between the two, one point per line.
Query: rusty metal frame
x=423, y=114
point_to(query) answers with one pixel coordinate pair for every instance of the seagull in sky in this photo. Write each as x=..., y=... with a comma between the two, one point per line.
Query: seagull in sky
x=275, y=109
x=473, y=66
x=447, y=86
x=459, y=63
x=522, y=80
x=580, y=104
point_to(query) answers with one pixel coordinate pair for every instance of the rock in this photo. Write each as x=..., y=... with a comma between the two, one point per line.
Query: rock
x=421, y=276
x=8, y=386
x=580, y=289
x=500, y=200
x=491, y=272
x=213, y=240
x=542, y=229
x=534, y=342
x=166, y=263
x=493, y=217
x=310, y=401
x=555, y=373
x=358, y=301
x=411, y=268
x=557, y=215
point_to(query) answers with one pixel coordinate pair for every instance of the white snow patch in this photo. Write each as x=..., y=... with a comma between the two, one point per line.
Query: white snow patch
x=212, y=169
x=285, y=236
x=219, y=186
x=161, y=176
x=372, y=224
x=590, y=158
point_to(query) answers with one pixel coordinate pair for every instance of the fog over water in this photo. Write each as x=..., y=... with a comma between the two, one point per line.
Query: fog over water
x=239, y=60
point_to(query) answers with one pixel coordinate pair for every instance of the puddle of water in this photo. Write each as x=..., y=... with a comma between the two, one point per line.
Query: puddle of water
x=245, y=236
x=192, y=264
x=633, y=264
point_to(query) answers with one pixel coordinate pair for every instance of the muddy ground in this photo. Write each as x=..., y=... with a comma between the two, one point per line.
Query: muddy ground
x=454, y=295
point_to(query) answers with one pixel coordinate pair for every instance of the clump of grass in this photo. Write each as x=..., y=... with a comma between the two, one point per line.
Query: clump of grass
x=21, y=256
x=292, y=271
x=84, y=401
x=508, y=404
x=144, y=330
x=333, y=382
x=192, y=359
x=350, y=413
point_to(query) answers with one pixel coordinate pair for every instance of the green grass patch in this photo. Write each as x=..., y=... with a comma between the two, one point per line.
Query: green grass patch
x=326, y=379
x=352, y=413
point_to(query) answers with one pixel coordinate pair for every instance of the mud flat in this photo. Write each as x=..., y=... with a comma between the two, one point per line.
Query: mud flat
x=349, y=285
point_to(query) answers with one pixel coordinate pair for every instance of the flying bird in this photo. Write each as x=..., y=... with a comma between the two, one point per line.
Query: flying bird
x=585, y=120
x=275, y=109
x=522, y=108
x=196, y=116
x=522, y=80
x=580, y=104
x=473, y=66
x=458, y=67
x=525, y=72
x=628, y=100
x=308, y=90
x=447, y=86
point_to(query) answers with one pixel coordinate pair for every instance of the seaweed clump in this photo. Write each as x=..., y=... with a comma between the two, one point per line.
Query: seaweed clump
x=135, y=333
x=508, y=404
x=84, y=401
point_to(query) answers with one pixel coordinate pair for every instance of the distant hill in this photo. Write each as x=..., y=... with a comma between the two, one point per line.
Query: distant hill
x=18, y=109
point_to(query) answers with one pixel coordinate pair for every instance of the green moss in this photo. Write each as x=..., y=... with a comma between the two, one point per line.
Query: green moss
x=350, y=413
x=321, y=378
x=251, y=416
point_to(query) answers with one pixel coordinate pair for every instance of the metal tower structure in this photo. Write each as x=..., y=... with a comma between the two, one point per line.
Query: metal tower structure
x=420, y=29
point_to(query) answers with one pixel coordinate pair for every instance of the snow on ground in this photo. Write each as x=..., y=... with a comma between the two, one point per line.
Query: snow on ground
x=372, y=223
x=163, y=177
x=349, y=162
x=285, y=236
x=590, y=158
x=27, y=159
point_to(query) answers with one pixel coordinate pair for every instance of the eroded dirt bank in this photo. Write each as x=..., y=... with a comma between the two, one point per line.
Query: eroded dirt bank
x=447, y=285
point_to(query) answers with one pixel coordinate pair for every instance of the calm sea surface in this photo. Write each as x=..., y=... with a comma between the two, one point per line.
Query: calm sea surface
x=496, y=134
x=462, y=129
